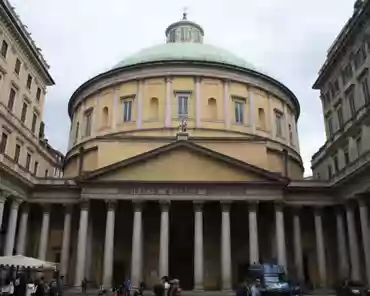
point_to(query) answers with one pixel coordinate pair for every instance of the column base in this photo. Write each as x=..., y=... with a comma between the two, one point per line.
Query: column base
x=198, y=289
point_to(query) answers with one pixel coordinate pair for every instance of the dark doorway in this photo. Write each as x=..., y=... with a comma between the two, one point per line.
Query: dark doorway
x=119, y=275
x=306, y=270
x=242, y=271
x=182, y=244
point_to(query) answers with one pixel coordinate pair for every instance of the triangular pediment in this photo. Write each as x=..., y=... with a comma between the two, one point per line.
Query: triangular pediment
x=182, y=161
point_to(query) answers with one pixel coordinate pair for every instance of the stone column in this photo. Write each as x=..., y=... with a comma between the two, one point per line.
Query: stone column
x=109, y=245
x=2, y=203
x=225, y=247
x=320, y=247
x=253, y=233
x=342, y=246
x=226, y=104
x=365, y=236
x=169, y=96
x=280, y=235
x=198, y=247
x=116, y=109
x=44, y=234
x=137, y=245
x=81, y=243
x=164, y=240
x=140, y=89
x=252, y=111
x=96, y=116
x=298, y=257
x=353, y=243
x=286, y=125
x=271, y=112
x=198, y=102
x=89, y=248
x=66, y=240
x=22, y=232
x=295, y=135
x=12, y=226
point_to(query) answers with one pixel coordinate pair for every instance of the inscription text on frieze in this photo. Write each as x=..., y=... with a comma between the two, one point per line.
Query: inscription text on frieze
x=162, y=191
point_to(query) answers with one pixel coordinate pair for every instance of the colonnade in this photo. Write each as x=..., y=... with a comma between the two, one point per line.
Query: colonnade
x=225, y=256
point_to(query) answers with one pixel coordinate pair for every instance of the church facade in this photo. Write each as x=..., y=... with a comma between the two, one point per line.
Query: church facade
x=184, y=160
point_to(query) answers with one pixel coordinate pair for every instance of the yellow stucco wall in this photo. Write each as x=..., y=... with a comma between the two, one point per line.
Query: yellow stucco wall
x=180, y=165
x=107, y=120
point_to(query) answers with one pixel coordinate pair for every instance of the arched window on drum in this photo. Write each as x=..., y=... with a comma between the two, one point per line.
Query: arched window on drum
x=105, y=117
x=261, y=119
x=212, y=109
x=154, y=108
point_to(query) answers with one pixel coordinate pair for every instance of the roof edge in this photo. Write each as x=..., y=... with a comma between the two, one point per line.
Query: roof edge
x=49, y=78
x=339, y=42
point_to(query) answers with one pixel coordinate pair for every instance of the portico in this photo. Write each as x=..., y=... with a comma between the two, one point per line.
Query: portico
x=106, y=228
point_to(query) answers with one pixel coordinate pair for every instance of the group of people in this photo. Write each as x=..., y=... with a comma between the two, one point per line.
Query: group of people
x=245, y=289
x=167, y=287
x=21, y=286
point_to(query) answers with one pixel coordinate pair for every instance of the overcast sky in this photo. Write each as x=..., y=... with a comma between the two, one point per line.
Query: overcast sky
x=286, y=38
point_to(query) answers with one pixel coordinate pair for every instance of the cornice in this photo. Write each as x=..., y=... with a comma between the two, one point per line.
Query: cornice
x=350, y=28
x=28, y=49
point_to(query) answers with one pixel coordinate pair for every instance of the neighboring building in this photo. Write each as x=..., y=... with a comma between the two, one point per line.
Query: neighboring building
x=343, y=161
x=25, y=154
x=172, y=149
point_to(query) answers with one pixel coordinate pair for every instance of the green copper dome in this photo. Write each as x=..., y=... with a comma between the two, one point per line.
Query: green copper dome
x=184, y=42
x=185, y=51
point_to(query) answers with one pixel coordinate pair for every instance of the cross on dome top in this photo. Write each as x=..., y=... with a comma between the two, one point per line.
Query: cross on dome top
x=185, y=14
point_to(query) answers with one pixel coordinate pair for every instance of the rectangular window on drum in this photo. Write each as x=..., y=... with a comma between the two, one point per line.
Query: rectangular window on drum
x=88, y=119
x=182, y=106
x=239, y=112
x=279, y=123
x=127, y=110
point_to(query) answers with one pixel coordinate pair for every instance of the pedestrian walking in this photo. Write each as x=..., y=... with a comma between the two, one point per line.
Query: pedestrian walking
x=84, y=285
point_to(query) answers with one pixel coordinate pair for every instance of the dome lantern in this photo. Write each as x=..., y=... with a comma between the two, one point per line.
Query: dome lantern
x=184, y=31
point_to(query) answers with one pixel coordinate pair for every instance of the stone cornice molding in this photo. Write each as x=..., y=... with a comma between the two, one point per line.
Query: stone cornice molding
x=271, y=144
x=24, y=44
x=158, y=192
